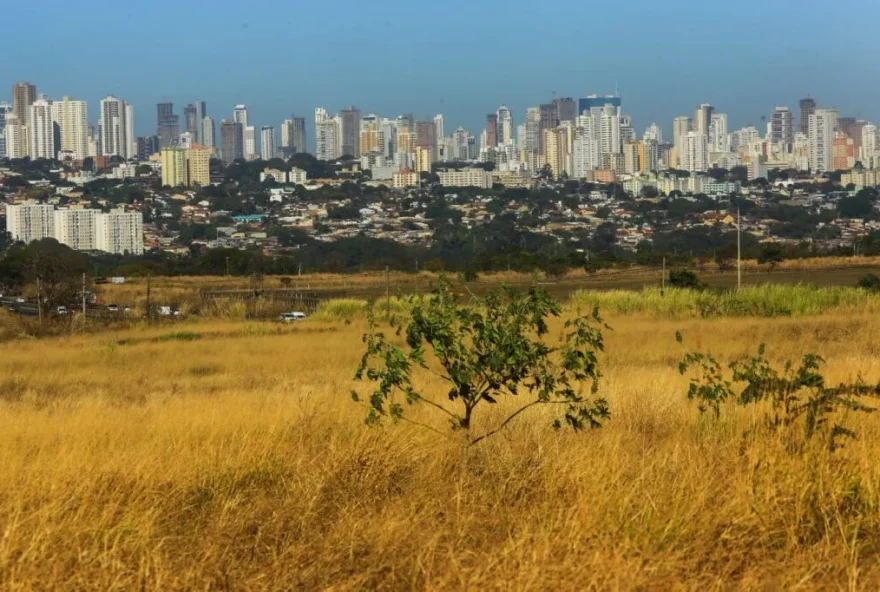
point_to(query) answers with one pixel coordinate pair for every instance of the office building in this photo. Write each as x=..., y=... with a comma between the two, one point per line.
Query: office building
x=120, y=232
x=71, y=119
x=822, y=123
x=115, y=128
x=168, y=125
x=268, y=142
x=231, y=141
x=566, y=109
x=351, y=122
x=146, y=147
x=808, y=108
x=597, y=101
x=30, y=221
x=5, y=110
x=491, y=130
x=192, y=121
x=23, y=96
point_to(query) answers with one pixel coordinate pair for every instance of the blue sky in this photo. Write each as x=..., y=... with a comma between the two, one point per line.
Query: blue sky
x=461, y=58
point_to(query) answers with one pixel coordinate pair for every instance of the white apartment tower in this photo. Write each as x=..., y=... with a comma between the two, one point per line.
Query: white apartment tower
x=208, y=132
x=585, y=148
x=76, y=228
x=250, y=143
x=680, y=128
x=696, y=154
x=120, y=232
x=30, y=221
x=718, y=141
x=72, y=119
x=116, y=128
x=240, y=115
x=268, y=142
x=822, y=124
x=41, y=130
x=504, y=126
x=653, y=133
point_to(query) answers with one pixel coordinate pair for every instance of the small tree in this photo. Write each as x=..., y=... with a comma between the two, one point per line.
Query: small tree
x=770, y=254
x=870, y=282
x=489, y=350
x=683, y=278
x=794, y=393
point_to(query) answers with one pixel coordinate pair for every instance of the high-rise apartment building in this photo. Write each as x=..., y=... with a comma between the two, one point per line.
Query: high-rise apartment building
x=293, y=135
x=351, y=123
x=870, y=143
x=120, y=232
x=695, y=156
x=491, y=130
x=268, y=142
x=15, y=133
x=369, y=134
x=41, y=130
x=76, y=227
x=822, y=123
x=192, y=121
x=425, y=135
x=504, y=134
x=548, y=119
x=174, y=166
x=200, y=114
x=240, y=115
x=631, y=154
x=649, y=156
x=30, y=221
x=116, y=125
x=198, y=165
x=168, y=125
x=596, y=101
x=23, y=96
x=326, y=136
x=782, y=127
x=703, y=119
x=231, y=141
x=249, y=140
x=557, y=150
x=844, y=157
x=439, y=137
x=808, y=108
x=208, y=132
x=654, y=132
x=5, y=110
x=532, y=131
x=681, y=126
x=718, y=139
x=71, y=119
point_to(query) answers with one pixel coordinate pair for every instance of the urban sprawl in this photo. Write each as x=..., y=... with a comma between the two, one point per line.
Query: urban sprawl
x=572, y=179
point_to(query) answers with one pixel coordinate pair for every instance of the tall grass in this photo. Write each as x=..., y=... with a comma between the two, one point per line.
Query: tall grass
x=768, y=300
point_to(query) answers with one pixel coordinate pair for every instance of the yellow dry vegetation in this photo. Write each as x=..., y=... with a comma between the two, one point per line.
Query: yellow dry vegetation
x=228, y=455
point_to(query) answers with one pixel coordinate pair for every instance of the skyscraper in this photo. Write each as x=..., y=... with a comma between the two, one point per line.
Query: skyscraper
x=703, y=119
x=822, y=123
x=696, y=157
x=201, y=113
x=71, y=120
x=369, y=134
x=718, y=133
x=14, y=132
x=168, y=125
x=240, y=115
x=293, y=135
x=439, y=137
x=23, y=96
x=782, y=127
x=268, y=142
x=115, y=127
x=504, y=134
x=231, y=141
x=5, y=109
x=249, y=139
x=654, y=132
x=425, y=137
x=566, y=109
x=192, y=120
x=208, y=132
x=807, y=107
x=351, y=123
x=680, y=128
x=325, y=136
x=491, y=130
x=146, y=147
x=41, y=130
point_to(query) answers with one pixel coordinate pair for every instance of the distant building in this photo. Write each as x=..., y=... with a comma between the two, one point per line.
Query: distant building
x=198, y=165
x=30, y=221
x=76, y=227
x=249, y=141
x=351, y=121
x=822, y=124
x=168, y=125
x=41, y=131
x=844, y=157
x=231, y=141
x=293, y=135
x=597, y=101
x=116, y=128
x=71, y=119
x=268, y=142
x=120, y=232
x=146, y=147
x=782, y=127
x=466, y=178
x=174, y=166
x=808, y=108
x=208, y=133
x=405, y=178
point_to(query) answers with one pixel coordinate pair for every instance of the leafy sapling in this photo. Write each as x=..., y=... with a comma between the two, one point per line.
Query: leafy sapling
x=491, y=349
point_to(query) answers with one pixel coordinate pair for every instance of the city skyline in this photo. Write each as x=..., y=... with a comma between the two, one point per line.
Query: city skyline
x=279, y=62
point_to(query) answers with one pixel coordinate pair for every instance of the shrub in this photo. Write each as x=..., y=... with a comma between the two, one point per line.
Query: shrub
x=491, y=349
x=870, y=282
x=682, y=278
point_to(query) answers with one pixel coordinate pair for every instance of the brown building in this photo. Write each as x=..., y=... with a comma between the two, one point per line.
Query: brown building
x=808, y=107
x=23, y=96
x=492, y=130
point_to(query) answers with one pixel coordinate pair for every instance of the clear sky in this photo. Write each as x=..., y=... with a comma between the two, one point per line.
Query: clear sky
x=460, y=57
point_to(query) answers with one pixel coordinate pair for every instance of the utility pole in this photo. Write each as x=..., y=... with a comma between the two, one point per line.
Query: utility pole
x=84, y=297
x=149, y=307
x=40, y=302
x=738, y=250
x=663, y=281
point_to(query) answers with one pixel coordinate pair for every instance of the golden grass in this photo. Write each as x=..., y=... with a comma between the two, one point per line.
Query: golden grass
x=236, y=460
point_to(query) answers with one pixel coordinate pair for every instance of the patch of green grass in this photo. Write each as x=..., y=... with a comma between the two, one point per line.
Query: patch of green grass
x=180, y=336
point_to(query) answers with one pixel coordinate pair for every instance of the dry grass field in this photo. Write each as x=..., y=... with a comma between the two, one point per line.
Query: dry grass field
x=229, y=456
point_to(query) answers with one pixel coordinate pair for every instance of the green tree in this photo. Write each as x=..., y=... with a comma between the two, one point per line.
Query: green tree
x=492, y=349
x=771, y=254
x=683, y=278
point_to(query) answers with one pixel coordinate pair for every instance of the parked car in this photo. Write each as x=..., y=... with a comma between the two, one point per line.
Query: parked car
x=112, y=308
x=167, y=311
x=62, y=311
x=292, y=317
x=21, y=299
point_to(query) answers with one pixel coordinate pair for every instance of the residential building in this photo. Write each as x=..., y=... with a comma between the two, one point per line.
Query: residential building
x=423, y=159
x=208, y=132
x=718, y=139
x=201, y=111
x=72, y=121
x=424, y=131
x=466, y=178
x=369, y=134
x=439, y=137
x=76, y=227
x=782, y=127
x=556, y=151
x=293, y=135
x=231, y=141
x=681, y=126
x=5, y=110
x=192, y=121
x=631, y=152
x=249, y=141
x=405, y=178
x=649, y=156
x=808, y=108
x=655, y=133
x=491, y=130
x=41, y=130
x=174, y=173
x=146, y=147
x=566, y=109
x=844, y=157
x=268, y=142
x=15, y=132
x=30, y=221
x=23, y=96
x=821, y=124
x=585, y=147
x=597, y=101
x=504, y=132
x=703, y=119
x=326, y=136
x=870, y=143
x=695, y=157
x=120, y=232
x=240, y=115
x=198, y=165
x=116, y=127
